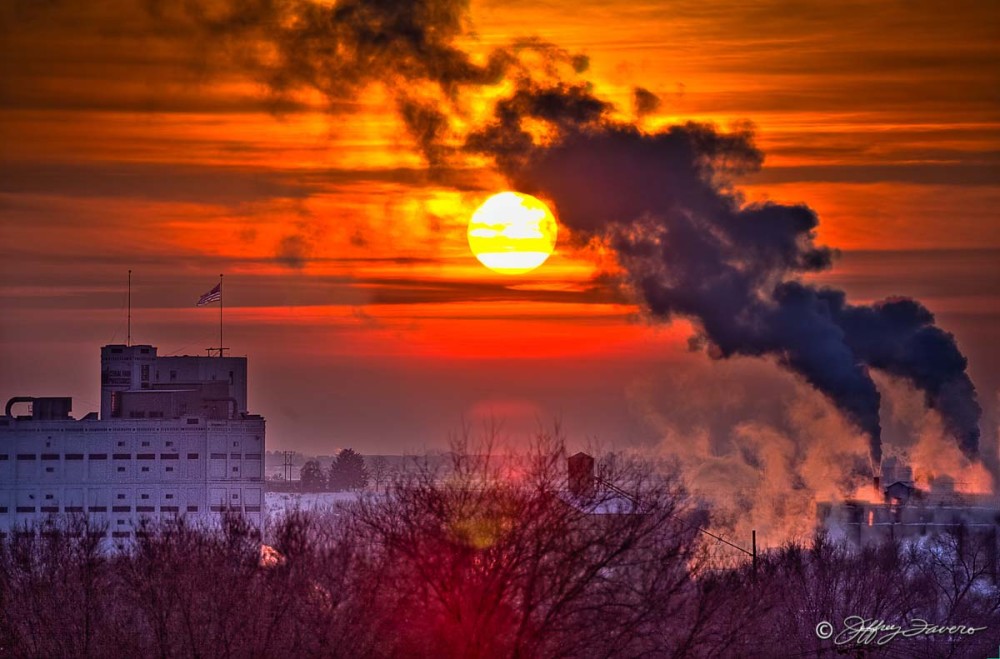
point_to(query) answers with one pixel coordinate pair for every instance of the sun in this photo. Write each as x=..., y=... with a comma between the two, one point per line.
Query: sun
x=512, y=233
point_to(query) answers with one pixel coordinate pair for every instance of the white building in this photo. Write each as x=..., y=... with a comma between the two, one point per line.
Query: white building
x=173, y=438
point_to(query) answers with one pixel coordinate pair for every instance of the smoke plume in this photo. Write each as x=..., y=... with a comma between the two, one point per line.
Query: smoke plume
x=690, y=247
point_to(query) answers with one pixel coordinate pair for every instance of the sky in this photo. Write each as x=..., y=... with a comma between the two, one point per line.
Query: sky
x=185, y=145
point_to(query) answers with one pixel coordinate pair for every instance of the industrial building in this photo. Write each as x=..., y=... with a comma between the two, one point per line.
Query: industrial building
x=173, y=438
x=898, y=509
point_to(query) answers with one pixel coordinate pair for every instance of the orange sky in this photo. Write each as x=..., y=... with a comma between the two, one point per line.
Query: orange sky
x=346, y=260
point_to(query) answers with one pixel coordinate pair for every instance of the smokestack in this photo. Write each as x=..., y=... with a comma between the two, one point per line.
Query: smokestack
x=580, y=468
x=877, y=484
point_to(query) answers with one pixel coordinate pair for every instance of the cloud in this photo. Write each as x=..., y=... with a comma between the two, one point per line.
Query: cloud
x=644, y=102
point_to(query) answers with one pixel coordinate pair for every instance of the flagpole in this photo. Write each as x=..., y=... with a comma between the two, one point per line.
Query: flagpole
x=128, y=341
x=220, y=316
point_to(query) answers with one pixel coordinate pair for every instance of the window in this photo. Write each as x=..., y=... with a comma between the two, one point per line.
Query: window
x=145, y=456
x=121, y=469
x=192, y=422
x=121, y=522
x=170, y=468
x=236, y=496
x=3, y=456
x=192, y=509
x=169, y=509
x=145, y=443
x=235, y=444
x=121, y=496
x=170, y=496
x=50, y=509
x=74, y=456
x=218, y=456
x=169, y=456
x=235, y=469
x=192, y=456
x=74, y=509
x=170, y=443
x=144, y=496
x=253, y=509
x=235, y=456
x=121, y=509
x=26, y=456
x=145, y=469
x=48, y=496
x=49, y=470
x=122, y=456
x=98, y=509
x=98, y=456
x=25, y=509
x=145, y=509
x=50, y=456
x=173, y=375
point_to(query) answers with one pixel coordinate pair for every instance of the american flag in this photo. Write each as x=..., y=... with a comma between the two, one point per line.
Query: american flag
x=214, y=295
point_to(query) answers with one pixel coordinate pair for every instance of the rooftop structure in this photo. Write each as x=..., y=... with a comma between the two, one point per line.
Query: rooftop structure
x=898, y=509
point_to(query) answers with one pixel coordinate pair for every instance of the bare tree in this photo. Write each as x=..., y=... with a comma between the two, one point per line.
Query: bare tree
x=379, y=471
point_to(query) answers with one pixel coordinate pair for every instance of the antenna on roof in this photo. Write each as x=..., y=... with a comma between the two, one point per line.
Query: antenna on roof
x=128, y=341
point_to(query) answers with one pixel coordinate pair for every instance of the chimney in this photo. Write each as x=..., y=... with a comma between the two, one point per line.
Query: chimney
x=581, y=474
x=877, y=484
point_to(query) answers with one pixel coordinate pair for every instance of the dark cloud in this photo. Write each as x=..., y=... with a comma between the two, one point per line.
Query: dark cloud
x=171, y=182
x=343, y=49
x=982, y=174
x=644, y=102
x=293, y=251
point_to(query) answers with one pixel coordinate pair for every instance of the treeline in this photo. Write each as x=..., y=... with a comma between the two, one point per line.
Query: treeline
x=493, y=561
x=349, y=471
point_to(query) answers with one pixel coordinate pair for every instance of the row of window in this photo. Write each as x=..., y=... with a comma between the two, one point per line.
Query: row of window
x=120, y=509
x=128, y=456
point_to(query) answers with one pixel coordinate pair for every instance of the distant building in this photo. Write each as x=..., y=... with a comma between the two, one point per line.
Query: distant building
x=173, y=438
x=592, y=494
x=901, y=510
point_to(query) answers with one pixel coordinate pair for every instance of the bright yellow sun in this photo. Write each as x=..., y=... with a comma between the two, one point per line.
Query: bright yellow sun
x=512, y=233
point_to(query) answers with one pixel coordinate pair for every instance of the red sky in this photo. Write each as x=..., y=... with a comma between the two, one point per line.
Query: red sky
x=349, y=283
